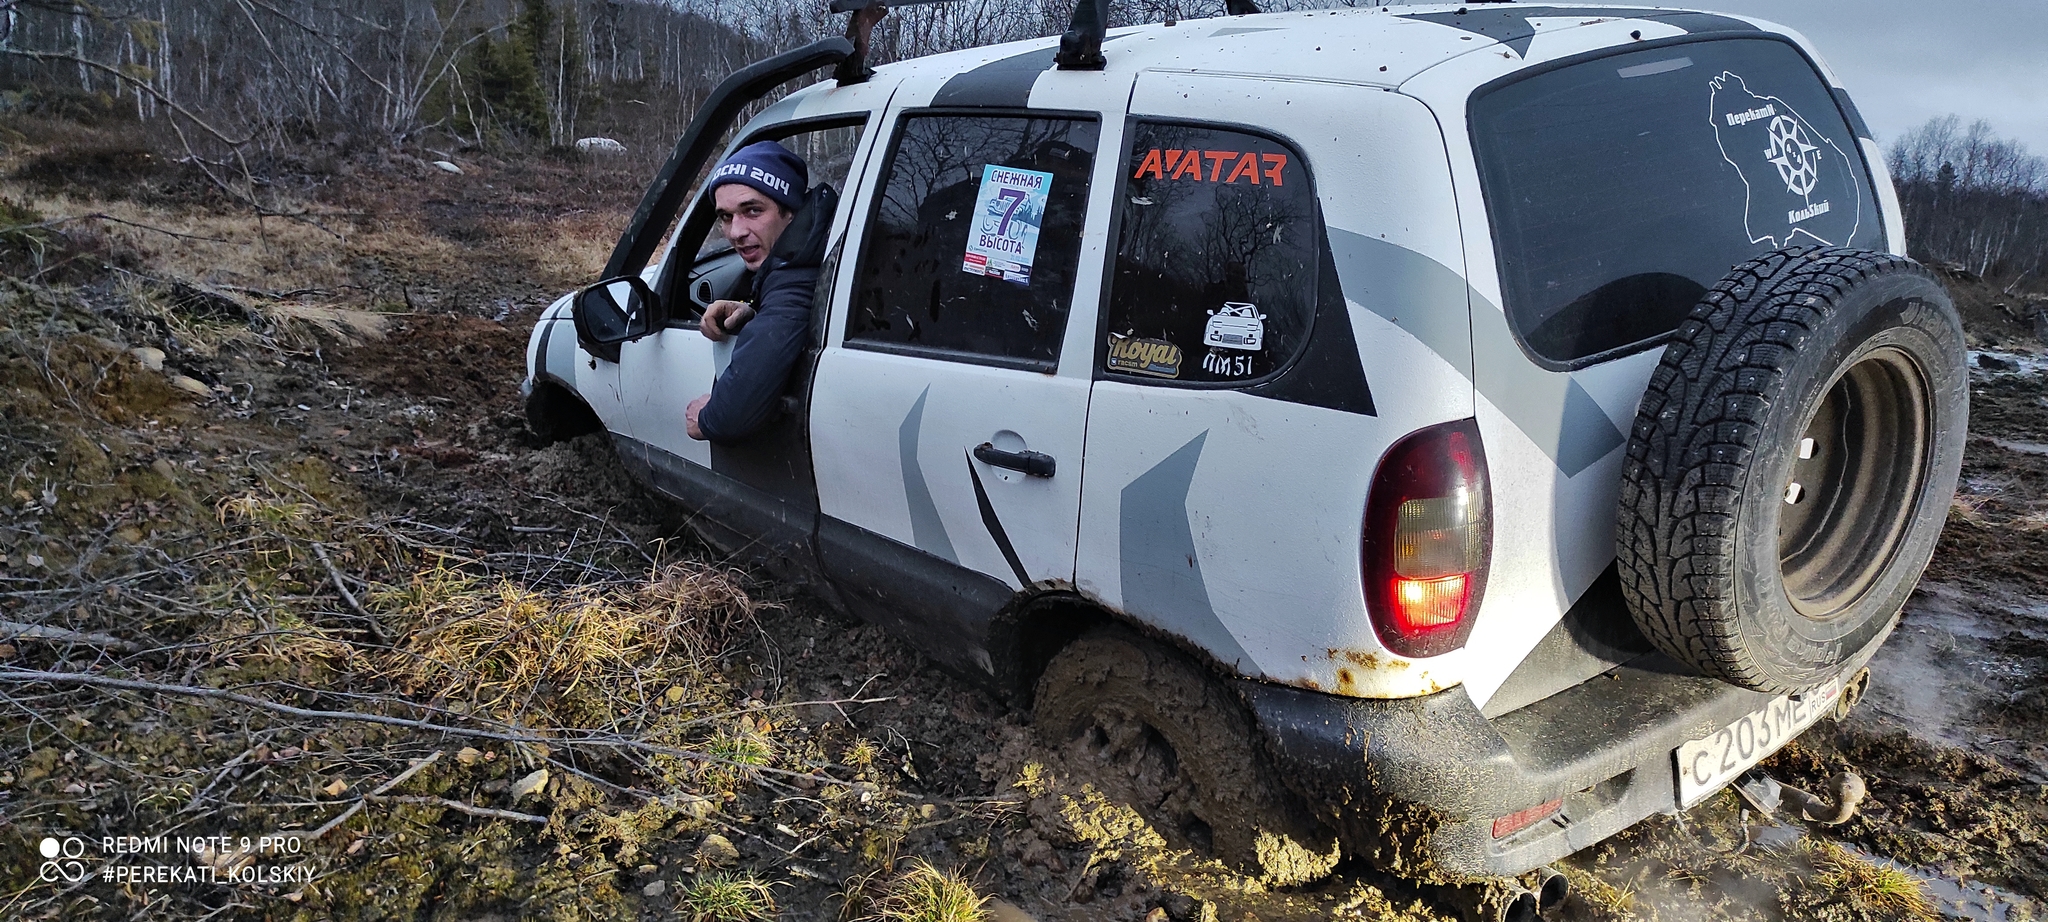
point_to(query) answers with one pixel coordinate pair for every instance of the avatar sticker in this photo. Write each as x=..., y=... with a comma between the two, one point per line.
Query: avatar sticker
x=1009, y=209
x=1237, y=326
x=1155, y=357
x=1800, y=182
x=1222, y=166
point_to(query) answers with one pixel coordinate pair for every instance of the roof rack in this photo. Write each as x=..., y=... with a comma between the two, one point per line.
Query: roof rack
x=1080, y=46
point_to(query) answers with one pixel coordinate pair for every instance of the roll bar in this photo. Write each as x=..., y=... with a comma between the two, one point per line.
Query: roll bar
x=664, y=197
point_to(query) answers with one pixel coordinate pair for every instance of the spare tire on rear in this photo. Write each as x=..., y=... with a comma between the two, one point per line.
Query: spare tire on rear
x=1792, y=464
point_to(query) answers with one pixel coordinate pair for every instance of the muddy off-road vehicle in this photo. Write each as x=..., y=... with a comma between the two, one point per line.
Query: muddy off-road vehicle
x=1454, y=433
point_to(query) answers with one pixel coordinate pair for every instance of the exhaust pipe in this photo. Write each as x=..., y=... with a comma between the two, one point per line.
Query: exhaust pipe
x=1496, y=900
x=1551, y=888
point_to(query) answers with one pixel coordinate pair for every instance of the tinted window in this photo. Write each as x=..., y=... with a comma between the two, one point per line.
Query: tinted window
x=975, y=237
x=1621, y=189
x=1216, y=257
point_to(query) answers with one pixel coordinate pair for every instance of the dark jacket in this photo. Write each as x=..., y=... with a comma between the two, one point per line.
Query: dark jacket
x=746, y=397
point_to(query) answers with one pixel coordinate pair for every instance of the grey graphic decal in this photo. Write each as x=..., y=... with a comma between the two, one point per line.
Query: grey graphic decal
x=1162, y=576
x=1002, y=82
x=1549, y=407
x=1800, y=183
x=1511, y=26
x=1436, y=306
x=926, y=530
x=1410, y=290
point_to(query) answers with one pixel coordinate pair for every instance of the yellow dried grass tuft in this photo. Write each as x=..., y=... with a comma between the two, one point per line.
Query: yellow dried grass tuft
x=581, y=657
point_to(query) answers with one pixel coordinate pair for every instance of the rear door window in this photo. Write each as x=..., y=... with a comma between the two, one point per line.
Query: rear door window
x=1621, y=189
x=1216, y=258
x=976, y=232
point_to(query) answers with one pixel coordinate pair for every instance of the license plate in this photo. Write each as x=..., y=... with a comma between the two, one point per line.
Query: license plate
x=1710, y=762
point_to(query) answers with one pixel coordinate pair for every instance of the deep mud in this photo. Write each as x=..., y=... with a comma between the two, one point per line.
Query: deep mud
x=386, y=394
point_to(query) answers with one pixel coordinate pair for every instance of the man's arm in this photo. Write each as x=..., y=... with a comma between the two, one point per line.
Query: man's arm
x=744, y=399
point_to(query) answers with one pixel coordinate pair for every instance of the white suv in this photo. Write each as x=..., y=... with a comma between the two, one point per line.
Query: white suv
x=1513, y=421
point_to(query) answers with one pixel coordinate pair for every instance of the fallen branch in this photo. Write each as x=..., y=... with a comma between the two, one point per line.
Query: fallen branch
x=357, y=807
x=459, y=807
x=103, y=216
x=606, y=741
x=17, y=630
x=376, y=630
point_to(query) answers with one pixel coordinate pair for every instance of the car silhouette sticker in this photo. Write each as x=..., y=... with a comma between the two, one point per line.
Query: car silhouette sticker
x=1799, y=181
x=1237, y=326
x=1008, y=210
x=1155, y=357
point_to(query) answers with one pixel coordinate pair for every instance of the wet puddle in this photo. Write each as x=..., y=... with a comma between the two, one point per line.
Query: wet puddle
x=1954, y=899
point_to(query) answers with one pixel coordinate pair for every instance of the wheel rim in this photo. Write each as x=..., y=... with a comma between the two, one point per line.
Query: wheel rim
x=1854, y=479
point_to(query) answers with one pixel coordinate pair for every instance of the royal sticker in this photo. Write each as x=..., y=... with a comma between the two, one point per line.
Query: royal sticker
x=1800, y=182
x=1237, y=326
x=1217, y=166
x=1009, y=209
x=1155, y=357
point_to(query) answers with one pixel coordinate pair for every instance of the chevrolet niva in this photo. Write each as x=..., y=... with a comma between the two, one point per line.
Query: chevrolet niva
x=1445, y=434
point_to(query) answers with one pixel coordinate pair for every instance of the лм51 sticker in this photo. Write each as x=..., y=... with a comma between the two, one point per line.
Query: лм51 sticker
x=1800, y=182
x=1155, y=357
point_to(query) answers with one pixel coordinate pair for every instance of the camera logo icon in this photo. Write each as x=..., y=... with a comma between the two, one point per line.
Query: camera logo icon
x=61, y=859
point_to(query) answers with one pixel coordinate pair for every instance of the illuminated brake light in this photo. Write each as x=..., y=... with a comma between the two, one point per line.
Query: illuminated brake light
x=1420, y=604
x=1428, y=535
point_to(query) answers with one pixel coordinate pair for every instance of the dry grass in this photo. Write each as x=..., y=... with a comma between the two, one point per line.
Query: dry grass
x=579, y=657
x=1879, y=891
x=920, y=892
x=721, y=897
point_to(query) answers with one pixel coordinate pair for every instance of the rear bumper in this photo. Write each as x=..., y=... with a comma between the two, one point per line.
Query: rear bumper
x=1603, y=747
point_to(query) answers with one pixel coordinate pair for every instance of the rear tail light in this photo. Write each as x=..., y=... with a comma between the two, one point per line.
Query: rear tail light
x=1428, y=536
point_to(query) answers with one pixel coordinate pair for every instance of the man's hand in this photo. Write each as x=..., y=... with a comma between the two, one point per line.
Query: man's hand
x=722, y=319
x=697, y=406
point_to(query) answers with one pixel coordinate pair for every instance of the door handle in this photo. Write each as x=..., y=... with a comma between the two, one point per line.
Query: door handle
x=1034, y=463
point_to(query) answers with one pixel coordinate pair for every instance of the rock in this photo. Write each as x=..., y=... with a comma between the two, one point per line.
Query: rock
x=717, y=850
x=654, y=888
x=1994, y=363
x=446, y=167
x=193, y=386
x=532, y=783
x=599, y=146
x=163, y=468
x=150, y=357
x=693, y=806
x=1000, y=911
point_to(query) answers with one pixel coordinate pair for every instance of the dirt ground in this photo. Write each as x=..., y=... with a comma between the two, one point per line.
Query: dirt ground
x=483, y=678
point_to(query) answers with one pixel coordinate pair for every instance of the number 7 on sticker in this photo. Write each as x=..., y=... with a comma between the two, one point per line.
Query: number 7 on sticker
x=1009, y=200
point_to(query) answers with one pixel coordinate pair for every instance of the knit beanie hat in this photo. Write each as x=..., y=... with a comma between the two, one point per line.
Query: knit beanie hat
x=768, y=167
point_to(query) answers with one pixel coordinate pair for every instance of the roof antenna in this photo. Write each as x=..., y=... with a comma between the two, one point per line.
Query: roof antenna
x=1081, y=46
x=866, y=13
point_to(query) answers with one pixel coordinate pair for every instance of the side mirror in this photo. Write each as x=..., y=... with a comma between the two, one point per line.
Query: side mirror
x=614, y=311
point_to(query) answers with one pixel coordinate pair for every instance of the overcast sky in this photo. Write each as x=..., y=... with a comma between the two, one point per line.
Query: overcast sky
x=1906, y=61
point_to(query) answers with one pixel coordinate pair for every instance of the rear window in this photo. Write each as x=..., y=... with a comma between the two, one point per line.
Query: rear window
x=1216, y=258
x=1622, y=188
